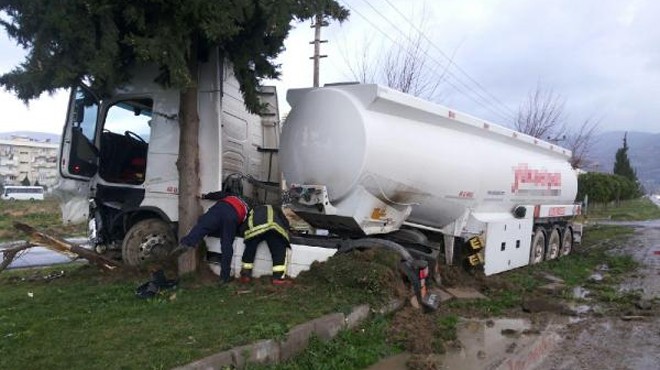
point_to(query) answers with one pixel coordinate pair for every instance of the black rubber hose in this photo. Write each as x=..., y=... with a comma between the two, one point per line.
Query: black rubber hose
x=348, y=245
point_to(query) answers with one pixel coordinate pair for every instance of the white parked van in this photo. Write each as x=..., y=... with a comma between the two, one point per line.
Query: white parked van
x=22, y=193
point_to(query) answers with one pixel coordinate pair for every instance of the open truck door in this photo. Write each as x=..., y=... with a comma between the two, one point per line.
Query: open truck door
x=78, y=161
x=79, y=154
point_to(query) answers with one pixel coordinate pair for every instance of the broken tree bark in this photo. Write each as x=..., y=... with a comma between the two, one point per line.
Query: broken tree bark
x=37, y=238
x=9, y=254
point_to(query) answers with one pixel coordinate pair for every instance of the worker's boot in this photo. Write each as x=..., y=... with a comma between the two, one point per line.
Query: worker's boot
x=280, y=279
x=246, y=276
x=179, y=250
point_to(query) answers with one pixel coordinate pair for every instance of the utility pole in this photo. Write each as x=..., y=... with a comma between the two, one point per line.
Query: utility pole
x=319, y=22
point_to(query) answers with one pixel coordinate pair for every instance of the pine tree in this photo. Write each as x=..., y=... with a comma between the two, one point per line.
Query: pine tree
x=101, y=42
x=622, y=165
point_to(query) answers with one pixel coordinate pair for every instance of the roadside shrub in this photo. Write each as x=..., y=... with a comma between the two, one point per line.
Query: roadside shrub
x=606, y=188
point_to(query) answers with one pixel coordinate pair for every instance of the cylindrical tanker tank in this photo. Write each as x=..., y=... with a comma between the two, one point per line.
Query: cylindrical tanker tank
x=410, y=153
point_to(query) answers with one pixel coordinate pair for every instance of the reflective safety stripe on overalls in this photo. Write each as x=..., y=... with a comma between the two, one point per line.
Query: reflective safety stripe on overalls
x=273, y=233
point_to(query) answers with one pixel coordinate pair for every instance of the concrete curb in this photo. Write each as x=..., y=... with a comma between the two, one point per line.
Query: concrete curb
x=272, y=351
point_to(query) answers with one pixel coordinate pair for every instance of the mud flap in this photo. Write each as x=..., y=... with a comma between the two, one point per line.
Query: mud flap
x=417, y=272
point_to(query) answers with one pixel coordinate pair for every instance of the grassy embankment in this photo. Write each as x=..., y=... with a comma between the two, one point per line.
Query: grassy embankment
x=91, y=320
x=506, y=291
x=630, y=210
x=43, y=215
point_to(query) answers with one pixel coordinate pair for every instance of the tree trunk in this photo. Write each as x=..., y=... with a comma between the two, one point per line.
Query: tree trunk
x=188, y=163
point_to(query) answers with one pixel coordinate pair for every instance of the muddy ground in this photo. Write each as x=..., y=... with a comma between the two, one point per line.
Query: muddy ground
x=543, y=333
x=627, y=341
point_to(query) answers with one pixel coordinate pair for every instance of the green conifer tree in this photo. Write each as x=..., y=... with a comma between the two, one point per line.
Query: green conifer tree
x=623, y=168
x=102, y=41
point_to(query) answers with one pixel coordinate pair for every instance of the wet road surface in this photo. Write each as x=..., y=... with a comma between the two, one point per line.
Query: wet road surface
x=611, y=342
x=40, y=256
x=561, y=342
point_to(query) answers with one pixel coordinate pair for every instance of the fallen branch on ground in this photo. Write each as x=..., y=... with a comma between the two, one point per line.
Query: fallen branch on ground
x=39, y=239
x=10, y=253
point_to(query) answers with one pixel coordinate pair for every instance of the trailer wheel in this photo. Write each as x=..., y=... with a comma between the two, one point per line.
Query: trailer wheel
x=566, y=242
x=554, y=245
x=147, y=240
x=538, y=247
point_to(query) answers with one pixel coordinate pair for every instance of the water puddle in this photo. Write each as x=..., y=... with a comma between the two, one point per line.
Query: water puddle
x=580, y=293
x=580, y=309
x=489, y=344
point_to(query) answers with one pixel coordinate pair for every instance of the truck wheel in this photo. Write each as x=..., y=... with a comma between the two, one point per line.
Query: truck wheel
x=146, y=240
x=566, y=242
x=538, y=247
x=554, y=245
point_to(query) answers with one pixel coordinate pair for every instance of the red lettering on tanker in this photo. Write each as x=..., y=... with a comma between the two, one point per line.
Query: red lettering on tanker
x=529, y=180
x=466, y=194
x=556, y=211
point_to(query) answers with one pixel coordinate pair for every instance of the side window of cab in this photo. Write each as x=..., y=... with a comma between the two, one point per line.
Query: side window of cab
x=125, y=141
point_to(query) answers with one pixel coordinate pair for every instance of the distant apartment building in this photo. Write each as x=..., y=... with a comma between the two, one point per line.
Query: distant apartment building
x=22, y=157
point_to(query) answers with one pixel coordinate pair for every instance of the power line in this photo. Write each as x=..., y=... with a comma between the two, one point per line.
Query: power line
x=450, y=60
x=459, y=89
x=502, y=113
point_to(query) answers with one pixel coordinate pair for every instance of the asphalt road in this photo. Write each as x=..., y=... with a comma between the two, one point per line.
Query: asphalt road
x=40, y=256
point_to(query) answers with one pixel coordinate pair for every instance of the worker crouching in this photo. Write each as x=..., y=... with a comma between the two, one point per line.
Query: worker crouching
x=266, y=223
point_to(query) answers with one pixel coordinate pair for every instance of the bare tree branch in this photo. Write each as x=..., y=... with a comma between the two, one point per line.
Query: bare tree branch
x=360, y=64
x=541, y=115
x=406, y=65
x=581, y=140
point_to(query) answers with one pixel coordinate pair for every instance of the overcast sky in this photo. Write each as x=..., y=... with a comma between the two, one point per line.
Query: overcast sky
x=601, y=56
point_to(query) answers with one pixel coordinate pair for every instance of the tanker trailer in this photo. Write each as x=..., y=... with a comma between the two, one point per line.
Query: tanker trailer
x=368, y=161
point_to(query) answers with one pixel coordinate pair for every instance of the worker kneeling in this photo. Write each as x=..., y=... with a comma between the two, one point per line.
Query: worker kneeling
x=266, y=223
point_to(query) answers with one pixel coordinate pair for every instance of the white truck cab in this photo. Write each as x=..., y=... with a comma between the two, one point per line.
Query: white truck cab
x=118, y=156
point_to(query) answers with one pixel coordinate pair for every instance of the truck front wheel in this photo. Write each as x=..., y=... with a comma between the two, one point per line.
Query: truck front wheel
x=147, y=240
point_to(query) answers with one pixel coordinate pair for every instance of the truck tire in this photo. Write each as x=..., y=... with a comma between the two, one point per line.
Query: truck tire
x=538, y=247
x=554, y=244
x=566, y=241
x=146, y=240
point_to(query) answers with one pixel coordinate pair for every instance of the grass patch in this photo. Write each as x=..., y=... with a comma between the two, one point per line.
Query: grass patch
x=595, y=251
x=447, y=326
x=43, y=215
x=629, y=210
x=88, y=319
x=506, y=291
x=351, y=349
